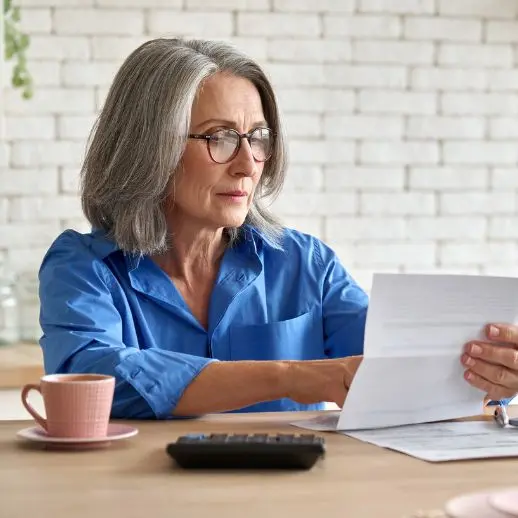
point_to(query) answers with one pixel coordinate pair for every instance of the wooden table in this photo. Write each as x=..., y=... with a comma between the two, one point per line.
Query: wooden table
x=136, y=479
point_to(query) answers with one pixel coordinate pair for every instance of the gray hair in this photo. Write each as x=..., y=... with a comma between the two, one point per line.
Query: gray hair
x=138, y=140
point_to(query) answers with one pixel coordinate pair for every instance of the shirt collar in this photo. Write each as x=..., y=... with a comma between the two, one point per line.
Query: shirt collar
x=103, y=245
x=258, y=236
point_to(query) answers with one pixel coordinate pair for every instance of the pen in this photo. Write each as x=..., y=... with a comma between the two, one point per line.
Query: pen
x=501, y=417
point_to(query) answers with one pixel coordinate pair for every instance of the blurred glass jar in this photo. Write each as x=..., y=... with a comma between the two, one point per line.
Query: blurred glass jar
x=9, y=312
x=29, y=307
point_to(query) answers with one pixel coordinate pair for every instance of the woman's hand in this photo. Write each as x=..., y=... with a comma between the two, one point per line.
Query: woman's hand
x=492, y=365
x=313, y=381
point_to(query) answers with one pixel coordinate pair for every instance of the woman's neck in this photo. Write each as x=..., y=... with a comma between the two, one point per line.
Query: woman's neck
x=193, y=255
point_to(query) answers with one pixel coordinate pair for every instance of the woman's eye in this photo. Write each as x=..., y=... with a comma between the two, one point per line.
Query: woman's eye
x=218, y=135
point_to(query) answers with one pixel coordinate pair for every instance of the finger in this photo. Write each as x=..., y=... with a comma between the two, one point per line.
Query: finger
x=506, y=356
x=496, y=374
x=502, y=333
x=494, y=392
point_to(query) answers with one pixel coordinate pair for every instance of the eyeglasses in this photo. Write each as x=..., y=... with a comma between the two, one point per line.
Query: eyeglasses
x=224, y=144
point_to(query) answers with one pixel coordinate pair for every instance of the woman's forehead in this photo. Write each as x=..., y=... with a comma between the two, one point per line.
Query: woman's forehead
x=225, y=97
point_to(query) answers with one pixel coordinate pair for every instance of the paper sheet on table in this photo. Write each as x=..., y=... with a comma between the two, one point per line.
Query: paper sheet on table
x=416, y=328
x=438, y=442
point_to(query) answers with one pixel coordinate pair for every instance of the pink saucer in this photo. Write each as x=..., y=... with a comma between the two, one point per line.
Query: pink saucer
x=116, y=432
x=506, y=501
x=473, y=505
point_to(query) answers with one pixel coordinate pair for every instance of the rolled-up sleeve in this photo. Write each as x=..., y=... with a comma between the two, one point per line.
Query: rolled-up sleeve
x=344, y=306
x=83, y=333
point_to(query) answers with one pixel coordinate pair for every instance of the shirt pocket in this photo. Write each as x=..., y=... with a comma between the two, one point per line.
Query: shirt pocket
x=299, y=338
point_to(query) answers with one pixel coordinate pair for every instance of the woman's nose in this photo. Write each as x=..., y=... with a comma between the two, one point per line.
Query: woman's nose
x=244, y=162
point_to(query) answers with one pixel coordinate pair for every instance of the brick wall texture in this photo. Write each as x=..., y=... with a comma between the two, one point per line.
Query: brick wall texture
x=402, y=117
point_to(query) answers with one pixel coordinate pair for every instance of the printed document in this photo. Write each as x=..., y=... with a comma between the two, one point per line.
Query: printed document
x=416, y=328
x=438, y=442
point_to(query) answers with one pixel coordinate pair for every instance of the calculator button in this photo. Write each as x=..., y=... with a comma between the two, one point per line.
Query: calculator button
x=194, y=437
x=258, y=437
x=218, y=437
x=236, y=438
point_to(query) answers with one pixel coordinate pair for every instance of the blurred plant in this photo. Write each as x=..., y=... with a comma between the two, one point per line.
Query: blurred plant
x=16, y=43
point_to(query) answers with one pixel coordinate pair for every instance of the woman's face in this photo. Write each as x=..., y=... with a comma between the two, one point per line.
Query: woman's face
x=209, y=194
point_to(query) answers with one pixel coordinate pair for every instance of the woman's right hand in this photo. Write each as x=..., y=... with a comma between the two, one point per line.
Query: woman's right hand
x=313, y=381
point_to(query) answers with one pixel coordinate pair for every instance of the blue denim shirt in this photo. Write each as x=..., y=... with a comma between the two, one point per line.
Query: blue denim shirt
x=104, y=311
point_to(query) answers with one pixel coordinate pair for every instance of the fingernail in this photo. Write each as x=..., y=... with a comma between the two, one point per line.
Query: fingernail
x=470, y=361
x=493, y=331
x=476, y=349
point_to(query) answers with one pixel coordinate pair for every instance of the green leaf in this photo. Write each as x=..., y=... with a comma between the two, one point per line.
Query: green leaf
x=9, y=51
x=10, y=30
x=24, y=41
x=16, y=14
x=17, y=81
x=27, y=93
x=16, y=42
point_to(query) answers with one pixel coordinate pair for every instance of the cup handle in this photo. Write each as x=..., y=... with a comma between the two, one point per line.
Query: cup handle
x=25, y=392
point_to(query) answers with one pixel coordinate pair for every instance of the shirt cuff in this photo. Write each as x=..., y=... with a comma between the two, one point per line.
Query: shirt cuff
x=502, y=402
x=161, y=376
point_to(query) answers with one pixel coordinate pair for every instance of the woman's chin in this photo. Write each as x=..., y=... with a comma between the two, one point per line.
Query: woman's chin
x=235, y=221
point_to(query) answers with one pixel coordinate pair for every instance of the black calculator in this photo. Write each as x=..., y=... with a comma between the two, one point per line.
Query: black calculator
x=247, y=451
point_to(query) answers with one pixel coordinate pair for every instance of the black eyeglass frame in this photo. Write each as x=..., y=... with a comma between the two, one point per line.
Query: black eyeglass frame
x=248, y=136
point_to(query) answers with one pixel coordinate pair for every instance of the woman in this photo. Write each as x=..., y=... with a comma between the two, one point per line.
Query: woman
x=188, y=291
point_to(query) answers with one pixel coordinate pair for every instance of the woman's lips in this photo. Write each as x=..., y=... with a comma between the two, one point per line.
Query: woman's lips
x=233, y=193
x=236, y=196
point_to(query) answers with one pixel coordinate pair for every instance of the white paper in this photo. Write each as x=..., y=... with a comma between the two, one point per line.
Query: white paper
x=405, y=390
x=416, y=328
x=327, y=422
x=438, y=442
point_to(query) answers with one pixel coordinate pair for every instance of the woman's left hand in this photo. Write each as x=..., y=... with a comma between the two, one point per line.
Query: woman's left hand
x=492, y=365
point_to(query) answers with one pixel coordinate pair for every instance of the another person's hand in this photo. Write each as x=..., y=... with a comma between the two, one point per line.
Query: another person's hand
x=492, y=365
x=321, y=380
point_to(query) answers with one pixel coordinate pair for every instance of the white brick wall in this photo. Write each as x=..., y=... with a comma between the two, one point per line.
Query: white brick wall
x=402, y=118
x=479, y=8
x=479, y=55
x=448, y=178
x=360, y=26
x=442, y=29
x=451, y=79
x=308, y=51
x=405, y=203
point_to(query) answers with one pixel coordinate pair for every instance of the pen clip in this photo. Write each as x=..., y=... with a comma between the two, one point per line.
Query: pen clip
x=500, y=416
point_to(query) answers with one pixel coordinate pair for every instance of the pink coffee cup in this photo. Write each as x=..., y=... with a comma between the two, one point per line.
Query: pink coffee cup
x=76, y=405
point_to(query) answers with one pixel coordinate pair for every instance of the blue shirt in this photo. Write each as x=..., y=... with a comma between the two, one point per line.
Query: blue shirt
x=107, y=312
